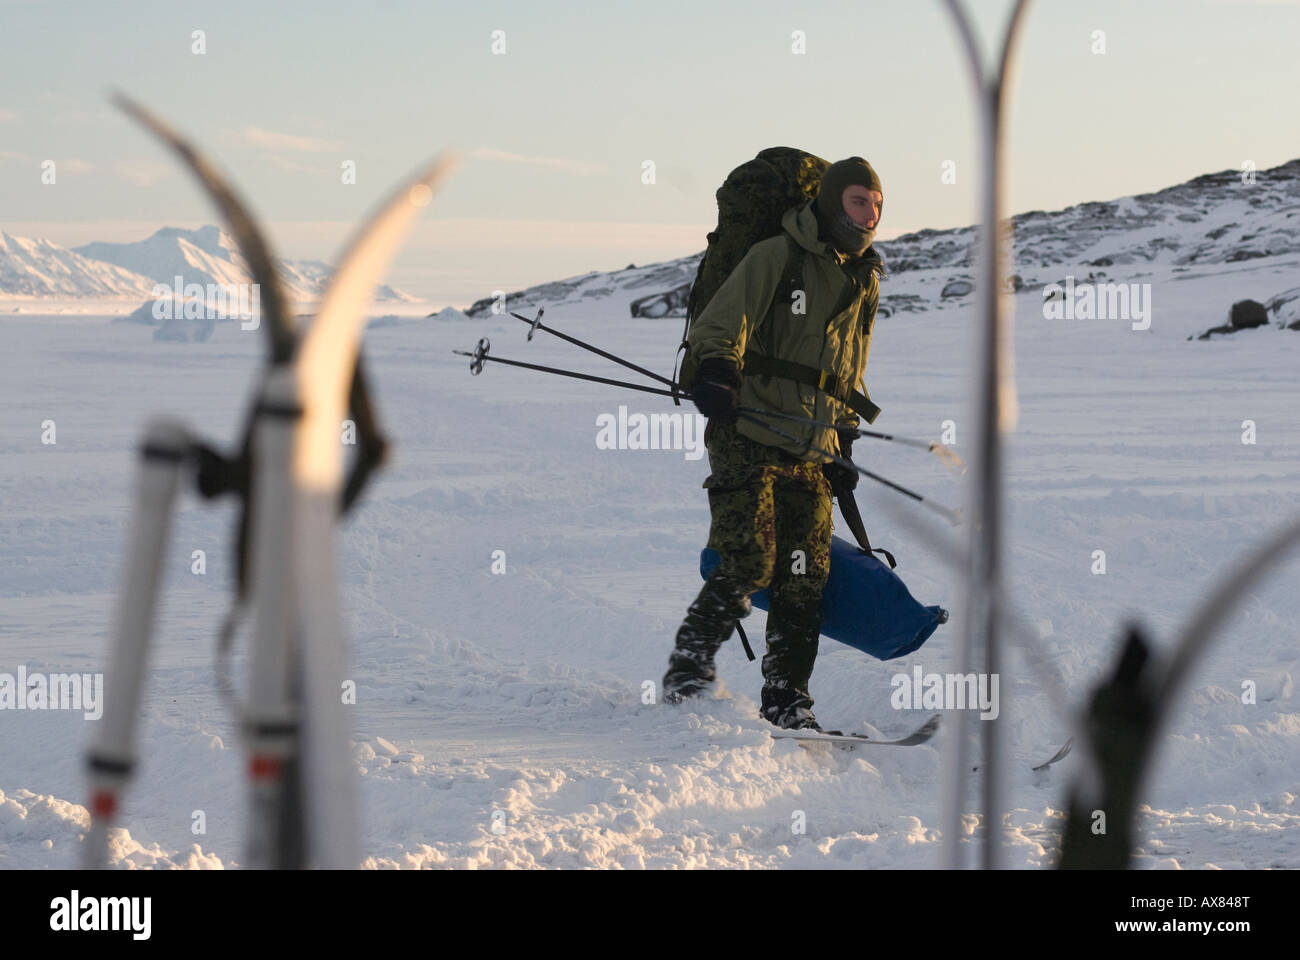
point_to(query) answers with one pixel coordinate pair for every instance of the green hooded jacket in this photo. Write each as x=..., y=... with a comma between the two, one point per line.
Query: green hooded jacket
x=737, y=321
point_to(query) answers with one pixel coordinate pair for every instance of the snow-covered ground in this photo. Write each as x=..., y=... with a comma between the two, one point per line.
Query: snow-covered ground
x=500, y=719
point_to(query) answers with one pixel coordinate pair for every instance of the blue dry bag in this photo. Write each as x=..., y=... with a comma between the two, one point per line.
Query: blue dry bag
x=864, y=605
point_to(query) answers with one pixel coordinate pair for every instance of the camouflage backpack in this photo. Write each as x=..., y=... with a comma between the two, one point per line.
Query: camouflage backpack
x=751, y=202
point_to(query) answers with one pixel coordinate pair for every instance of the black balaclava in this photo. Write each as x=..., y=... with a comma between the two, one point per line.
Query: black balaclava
x=836, y=225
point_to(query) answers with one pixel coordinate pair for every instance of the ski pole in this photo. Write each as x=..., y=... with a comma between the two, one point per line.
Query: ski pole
x=537, y=324
x=952, y=516
x=942, y=451
x=995, y=403
x=480, y=353
x=271, y=727
x=112, y=761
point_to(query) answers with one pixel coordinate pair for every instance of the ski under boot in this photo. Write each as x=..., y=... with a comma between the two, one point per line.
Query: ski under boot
x=789, y=709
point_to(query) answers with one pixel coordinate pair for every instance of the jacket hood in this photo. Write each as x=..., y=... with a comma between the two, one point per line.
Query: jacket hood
x=801, y=223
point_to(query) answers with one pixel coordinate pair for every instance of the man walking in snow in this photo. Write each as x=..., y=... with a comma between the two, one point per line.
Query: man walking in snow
x=800, y=351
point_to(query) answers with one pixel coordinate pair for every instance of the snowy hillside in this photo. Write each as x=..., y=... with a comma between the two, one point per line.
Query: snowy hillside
x=1211, y=219
x=641, y=281
x=1215, y=218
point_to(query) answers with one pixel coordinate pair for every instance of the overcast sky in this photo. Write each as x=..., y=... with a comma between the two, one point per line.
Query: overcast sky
x=556, y=130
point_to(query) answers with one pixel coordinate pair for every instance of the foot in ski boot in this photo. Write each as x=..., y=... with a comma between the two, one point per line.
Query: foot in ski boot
x=690, y=674
x=709, y=621
x=711, y=691
x=687, y=690
x=789, y=709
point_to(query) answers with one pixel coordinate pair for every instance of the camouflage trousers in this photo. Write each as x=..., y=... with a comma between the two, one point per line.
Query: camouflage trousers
x=771, y=525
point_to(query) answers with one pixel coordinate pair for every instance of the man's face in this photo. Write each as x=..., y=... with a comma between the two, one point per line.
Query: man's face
x=863, y=205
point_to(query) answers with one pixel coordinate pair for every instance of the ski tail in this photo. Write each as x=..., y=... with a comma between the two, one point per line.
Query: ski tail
x=920, y=735
x=251, y=242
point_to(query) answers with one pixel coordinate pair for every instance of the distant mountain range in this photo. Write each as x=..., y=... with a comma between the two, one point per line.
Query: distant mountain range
x=39, y=268
x=1214, y=218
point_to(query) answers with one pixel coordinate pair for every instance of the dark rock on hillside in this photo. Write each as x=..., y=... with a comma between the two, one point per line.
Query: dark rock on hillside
x=1244, y=315
x=956, y=288
x=1247, y=313
x=670, y=304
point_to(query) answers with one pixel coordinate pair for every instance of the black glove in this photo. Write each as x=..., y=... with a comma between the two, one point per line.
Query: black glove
x=841, y=477
x=716, y=389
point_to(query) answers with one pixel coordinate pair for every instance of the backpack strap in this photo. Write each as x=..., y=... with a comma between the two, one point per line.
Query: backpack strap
x=791, y=273
x=677, y=363
x=765, y=366
x=791, y=280
x=686, y=324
